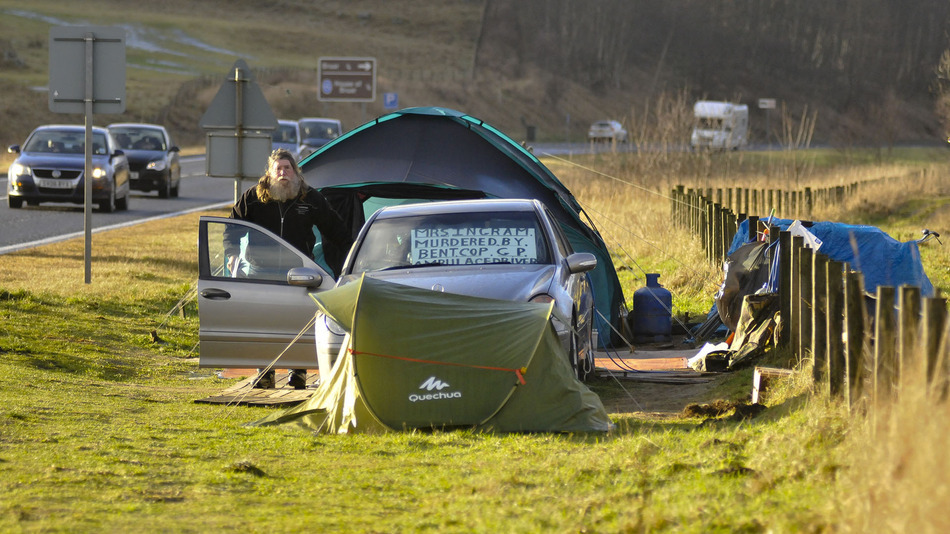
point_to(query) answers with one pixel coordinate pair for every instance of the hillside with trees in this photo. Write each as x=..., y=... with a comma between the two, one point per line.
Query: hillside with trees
x=862, y=72
x=867, y=67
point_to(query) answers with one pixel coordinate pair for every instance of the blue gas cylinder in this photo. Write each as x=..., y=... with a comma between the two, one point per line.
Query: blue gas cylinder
x=652, y=312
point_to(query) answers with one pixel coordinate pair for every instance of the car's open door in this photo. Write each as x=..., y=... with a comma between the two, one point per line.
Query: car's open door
x=251, y=312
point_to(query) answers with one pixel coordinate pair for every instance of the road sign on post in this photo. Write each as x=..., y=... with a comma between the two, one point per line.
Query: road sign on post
x=87, y=75
x=69, y=72
x=768, y=104
x=238, y=126
x=346, y=79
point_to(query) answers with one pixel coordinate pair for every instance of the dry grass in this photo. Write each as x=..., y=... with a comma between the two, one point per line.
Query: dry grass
x=903, y=448
x=634, y=221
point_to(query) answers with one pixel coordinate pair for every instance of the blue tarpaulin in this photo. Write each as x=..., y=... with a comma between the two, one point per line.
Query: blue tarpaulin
x=882, y=260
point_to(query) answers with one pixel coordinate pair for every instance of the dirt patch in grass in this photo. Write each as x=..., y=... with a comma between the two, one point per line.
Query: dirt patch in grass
x=632, y=396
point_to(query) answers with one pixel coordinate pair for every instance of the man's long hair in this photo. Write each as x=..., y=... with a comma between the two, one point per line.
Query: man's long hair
x=263, y=184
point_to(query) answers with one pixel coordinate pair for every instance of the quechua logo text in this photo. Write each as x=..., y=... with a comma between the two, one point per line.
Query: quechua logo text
x=432, y=390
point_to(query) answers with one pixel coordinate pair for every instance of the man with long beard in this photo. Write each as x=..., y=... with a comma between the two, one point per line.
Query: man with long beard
x=284, y=204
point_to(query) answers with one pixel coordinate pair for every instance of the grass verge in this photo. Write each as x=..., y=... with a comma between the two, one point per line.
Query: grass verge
x=99, y=431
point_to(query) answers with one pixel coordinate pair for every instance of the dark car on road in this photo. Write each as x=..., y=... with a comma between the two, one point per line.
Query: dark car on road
x=316, y=132
x=50, y=167
x=153, y=158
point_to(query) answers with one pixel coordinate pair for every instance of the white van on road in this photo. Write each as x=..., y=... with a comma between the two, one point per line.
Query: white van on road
x=720, y=125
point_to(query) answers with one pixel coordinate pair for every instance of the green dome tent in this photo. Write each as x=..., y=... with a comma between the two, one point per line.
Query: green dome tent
x=454, y=156
x=421, y=359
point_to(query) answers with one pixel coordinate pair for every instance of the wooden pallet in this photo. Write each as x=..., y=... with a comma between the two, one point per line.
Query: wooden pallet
x=281, y=395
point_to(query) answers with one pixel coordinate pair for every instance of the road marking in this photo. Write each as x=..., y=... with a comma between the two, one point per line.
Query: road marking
x=64, y=237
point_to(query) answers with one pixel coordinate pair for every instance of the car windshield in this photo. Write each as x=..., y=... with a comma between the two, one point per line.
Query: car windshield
x=709, y=123
x=285, y=133
x=319, y=130
x=477, y=238
x=134, y=138
x=64, y=142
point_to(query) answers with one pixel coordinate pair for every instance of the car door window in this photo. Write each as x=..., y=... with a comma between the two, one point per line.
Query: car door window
x=234, y=249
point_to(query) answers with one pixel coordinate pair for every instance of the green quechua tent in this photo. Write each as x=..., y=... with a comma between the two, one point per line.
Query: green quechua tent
x=440, y=153
x=422, y=359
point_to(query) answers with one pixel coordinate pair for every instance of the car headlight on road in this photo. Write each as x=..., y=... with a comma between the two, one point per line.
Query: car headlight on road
x=157, y=165
x=98, y=173
x=18, y=169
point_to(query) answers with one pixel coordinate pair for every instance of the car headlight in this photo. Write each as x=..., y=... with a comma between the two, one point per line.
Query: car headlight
x=157, y=165
x=18, y=169
x=98, y=173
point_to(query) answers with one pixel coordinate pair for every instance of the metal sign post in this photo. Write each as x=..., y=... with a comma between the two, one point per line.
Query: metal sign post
x=87, y=75
x=238, y=126
x=768, y=104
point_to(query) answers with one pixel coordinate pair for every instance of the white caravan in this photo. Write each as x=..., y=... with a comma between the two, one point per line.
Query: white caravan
x=720, y=125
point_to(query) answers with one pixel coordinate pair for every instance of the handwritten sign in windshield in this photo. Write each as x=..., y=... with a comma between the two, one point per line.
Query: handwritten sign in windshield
x=470, y=246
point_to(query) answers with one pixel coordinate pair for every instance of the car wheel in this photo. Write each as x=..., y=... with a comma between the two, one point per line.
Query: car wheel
x=585, y=368
x=576, y=363
x=165, y=190
x=108, y=205
x=15, y=202
x=122, y=204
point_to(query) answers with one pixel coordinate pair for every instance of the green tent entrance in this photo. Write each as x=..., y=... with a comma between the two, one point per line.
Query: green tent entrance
x=420, y=359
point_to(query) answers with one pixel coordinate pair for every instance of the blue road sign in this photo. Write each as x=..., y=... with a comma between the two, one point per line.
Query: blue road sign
x=390, y=100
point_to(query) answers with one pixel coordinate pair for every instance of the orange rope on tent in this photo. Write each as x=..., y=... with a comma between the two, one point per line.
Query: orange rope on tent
x=518, y=372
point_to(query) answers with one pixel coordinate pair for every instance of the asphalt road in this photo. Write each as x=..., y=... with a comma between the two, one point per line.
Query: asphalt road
x=51, y=222
x=47, y=223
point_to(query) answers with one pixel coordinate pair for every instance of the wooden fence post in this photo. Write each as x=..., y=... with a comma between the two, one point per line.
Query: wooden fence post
x=885, y=362
x=854, y=310
x=819, y=328
x=908, y=305
x=805, y=302
x=795, y=318
x=834, y=297
x=933, y=323
x=784, y=286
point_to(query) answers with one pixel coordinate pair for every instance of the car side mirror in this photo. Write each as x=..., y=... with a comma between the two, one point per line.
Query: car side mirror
x=118, y=153
x=304, y=277
x=174, y=149
x=581, y=262
x=13, y=149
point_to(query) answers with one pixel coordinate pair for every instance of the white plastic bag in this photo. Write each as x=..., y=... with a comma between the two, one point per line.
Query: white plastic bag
x=811, y=241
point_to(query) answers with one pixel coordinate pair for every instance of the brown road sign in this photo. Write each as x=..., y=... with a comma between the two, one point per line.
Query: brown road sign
x=347, y=79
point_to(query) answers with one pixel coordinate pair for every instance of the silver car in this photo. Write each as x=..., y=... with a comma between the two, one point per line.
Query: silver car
x=499, y=249
x=607, y=131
